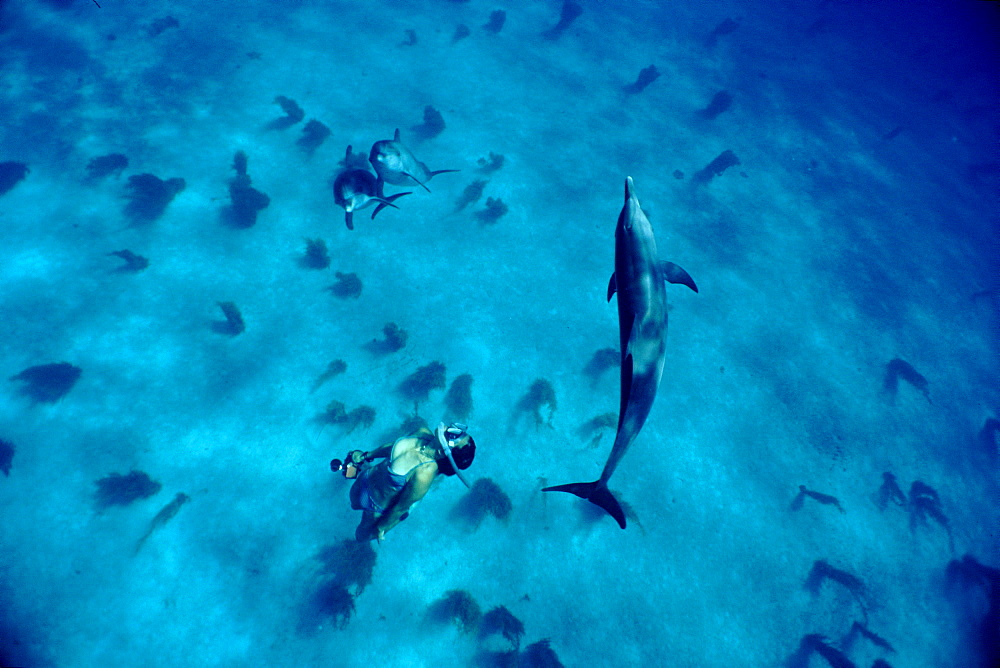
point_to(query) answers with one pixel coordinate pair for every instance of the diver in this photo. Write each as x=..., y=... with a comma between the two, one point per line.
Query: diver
x=387, y=491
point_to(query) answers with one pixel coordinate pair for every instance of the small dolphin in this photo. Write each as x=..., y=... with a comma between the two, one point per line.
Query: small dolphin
x=355, y=189
x=642, y=323
x=395, y=163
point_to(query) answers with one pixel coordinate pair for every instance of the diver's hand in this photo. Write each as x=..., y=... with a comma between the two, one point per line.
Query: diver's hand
x=380, y=536
x=356, y=456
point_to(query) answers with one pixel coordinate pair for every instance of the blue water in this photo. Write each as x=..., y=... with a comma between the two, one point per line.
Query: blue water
x=860, y=226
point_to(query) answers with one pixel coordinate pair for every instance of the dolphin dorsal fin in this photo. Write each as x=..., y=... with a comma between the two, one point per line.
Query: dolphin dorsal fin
x=672, y=273
x=612, y=287
x=395, y=137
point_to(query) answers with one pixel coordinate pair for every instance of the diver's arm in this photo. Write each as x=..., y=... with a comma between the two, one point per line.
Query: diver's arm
x=380, y=452
x=384, y=451
x=416, y=488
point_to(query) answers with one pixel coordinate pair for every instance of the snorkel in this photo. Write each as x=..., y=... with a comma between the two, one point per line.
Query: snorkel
x=447, y=447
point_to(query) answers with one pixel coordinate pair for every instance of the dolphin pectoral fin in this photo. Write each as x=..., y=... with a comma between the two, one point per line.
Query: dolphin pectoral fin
x=380, y=187
x=442, y=171
x=388, y=201
x=417, y=181
x=349, y=219
x=597, y=493
x=672, y=273
x=612, y=287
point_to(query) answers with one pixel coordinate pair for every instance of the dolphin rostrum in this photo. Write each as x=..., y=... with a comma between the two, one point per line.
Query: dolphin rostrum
x=395, y=163
x=355, y=189
x=642, y=322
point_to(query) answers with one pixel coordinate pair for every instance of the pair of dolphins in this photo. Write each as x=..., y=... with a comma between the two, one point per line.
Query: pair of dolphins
x=394, y=163
x=638, y=280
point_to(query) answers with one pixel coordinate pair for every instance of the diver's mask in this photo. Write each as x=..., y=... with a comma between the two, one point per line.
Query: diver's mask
x=446, y=436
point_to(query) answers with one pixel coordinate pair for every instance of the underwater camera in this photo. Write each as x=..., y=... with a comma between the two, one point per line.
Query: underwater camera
x=351, y=464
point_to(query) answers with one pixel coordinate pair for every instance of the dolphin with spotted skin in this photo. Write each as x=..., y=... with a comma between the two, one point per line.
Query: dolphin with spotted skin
x=638, y=280
x=355, y=189
x=395, y=163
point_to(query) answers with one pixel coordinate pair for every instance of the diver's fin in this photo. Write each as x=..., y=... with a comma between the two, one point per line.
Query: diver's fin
x=597, y=493
x=388, y=201
x=676, y=275
x=349, y=219
x=612, y=286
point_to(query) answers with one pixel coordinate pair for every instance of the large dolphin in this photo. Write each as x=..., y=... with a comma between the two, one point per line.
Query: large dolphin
x=355, y=189
x=642, y=322
x=395, y=163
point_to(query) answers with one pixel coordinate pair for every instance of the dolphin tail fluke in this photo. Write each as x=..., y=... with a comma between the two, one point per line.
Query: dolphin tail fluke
x=597, y=493
x=388, y=201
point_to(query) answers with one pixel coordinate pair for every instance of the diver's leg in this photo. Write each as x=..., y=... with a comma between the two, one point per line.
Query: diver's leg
x=366, y=528
x=356, y=494
x=360, y=494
